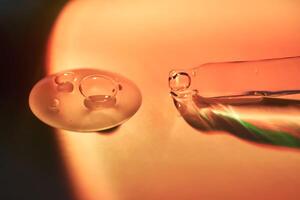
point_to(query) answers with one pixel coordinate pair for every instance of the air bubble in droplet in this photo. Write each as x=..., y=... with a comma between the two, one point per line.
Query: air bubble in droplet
x=64, y=82
x=99, y=91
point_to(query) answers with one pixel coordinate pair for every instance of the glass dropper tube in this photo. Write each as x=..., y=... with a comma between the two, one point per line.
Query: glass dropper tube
x=257, y=100
x=238, y=77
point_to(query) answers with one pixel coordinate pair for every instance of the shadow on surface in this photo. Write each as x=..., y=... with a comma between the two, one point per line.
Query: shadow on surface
x=109, y=131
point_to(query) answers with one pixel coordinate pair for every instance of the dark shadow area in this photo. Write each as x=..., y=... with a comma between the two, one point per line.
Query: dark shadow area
x=31, y=165
x=109, y=131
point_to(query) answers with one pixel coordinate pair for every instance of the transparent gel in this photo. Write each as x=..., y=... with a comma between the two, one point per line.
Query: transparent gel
x=256, y=100
x=84, y=100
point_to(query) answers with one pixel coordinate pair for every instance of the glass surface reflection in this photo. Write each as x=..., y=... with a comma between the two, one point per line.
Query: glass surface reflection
x=255, y=100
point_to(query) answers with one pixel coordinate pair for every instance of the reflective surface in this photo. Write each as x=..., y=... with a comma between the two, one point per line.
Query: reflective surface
x=84, y=100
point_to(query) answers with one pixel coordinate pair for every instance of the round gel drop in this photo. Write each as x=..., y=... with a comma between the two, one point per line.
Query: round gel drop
x=84, y=100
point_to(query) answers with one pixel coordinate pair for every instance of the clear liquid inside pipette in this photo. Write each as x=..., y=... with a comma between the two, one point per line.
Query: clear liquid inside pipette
x=262, y=116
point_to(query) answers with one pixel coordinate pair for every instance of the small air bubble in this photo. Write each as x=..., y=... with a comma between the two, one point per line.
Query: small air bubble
x=64, y=78
x=65, y=87
x=64, y=82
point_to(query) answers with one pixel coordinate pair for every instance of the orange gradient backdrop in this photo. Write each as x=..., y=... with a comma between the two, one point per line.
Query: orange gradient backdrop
x=156, y=155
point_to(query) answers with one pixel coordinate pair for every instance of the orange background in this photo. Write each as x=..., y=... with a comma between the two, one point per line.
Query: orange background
x=156, y=155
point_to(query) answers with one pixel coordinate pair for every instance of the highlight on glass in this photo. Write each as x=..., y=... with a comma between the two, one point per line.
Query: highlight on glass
x=257, y=100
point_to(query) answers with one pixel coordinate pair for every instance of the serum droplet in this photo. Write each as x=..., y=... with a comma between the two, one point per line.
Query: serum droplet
x=96, y=100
